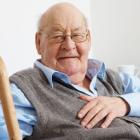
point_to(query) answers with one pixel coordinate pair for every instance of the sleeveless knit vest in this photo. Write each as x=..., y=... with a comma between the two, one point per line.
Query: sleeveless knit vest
x=57, y=109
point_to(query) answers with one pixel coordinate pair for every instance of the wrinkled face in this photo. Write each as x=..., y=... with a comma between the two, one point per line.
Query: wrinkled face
x=64, y=44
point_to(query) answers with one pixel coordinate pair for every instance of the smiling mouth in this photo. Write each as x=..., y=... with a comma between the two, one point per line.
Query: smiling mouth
x=68, y=57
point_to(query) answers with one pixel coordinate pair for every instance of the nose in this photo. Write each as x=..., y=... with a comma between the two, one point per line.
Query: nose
x=68, y=43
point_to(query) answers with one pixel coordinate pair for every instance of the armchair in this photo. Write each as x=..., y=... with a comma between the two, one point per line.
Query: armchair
x=8, y=105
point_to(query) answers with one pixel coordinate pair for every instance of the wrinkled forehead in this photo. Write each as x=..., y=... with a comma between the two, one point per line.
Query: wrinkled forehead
x=63, y=20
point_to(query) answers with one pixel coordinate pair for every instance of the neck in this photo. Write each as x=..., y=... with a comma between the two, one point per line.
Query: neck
x=85, y=83
x=81, y=80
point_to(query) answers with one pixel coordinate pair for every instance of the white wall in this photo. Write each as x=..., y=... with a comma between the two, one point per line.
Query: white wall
x=18, y=20
x=116, y=31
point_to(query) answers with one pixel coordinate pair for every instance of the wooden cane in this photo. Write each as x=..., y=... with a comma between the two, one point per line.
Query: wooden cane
x=8, y=105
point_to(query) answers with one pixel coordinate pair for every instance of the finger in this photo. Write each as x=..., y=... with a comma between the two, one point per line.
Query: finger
x=86, y=108
x=110, y=117
x=99, y=116
x=91, y=114
x=86, y=98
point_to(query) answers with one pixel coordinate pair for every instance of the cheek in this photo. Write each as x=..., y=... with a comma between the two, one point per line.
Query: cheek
x=83, y=51
x=52, y=51
x=50, y=54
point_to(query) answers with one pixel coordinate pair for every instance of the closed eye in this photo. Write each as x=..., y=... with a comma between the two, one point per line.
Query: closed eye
x=57, y=37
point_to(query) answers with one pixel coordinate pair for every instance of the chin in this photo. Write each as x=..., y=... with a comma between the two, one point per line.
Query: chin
x=70, y=71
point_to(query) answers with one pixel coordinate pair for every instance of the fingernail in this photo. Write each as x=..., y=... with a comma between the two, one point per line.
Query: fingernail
x=80, y=115
x=83, y=123
x=103, y=126
x=88, y=126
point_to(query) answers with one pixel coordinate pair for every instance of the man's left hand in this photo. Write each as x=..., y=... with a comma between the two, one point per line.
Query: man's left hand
x=101, y=107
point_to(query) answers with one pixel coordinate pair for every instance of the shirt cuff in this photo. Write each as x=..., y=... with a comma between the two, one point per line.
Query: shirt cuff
x=133, y=99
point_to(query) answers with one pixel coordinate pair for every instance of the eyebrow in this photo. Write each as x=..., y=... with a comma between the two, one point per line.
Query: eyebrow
x=77, y=29
x=58, y=27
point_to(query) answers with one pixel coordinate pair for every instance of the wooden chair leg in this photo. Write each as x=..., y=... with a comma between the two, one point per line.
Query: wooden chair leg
x=8, y=105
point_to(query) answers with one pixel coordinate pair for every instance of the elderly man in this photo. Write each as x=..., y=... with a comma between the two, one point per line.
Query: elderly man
x=65, y=96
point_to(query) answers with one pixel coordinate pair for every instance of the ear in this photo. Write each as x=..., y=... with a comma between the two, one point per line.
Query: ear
x=38, y=42
x=89, y=39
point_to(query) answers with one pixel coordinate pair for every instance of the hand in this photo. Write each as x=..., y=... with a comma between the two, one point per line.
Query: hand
x=102, y=108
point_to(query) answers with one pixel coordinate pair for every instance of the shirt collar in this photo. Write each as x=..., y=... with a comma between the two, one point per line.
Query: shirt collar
x=96, y=68
x=49, y=73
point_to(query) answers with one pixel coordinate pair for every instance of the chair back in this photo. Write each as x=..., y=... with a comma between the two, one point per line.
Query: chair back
x=8, y=105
